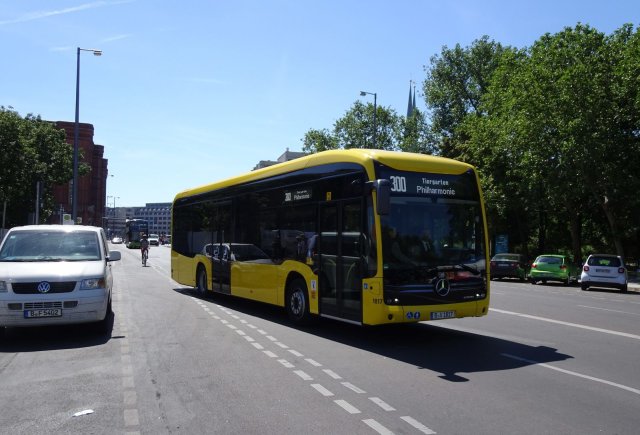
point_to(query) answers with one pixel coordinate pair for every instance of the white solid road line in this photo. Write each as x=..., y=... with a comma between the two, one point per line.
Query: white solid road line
x=569, y=372
x=574, y=325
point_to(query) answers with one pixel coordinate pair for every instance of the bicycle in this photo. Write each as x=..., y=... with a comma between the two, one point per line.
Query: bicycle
x=145, y=256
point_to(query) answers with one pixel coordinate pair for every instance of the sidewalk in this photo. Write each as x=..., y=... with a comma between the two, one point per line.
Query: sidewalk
x=634, y=284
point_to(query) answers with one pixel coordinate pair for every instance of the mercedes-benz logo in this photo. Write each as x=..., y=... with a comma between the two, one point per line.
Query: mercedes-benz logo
x=44, y=287
x=443, y=287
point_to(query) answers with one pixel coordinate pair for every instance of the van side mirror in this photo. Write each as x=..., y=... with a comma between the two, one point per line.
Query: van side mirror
x=383, y=194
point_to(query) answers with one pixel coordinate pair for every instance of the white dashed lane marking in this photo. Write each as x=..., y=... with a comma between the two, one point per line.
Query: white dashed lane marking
x=303, y=375
x=377, y=427
x=415, y=423
x=353, y=388
x=347, y=406
x=342, y=403
x=322, y=390
x=382, y=404
x=333, y=374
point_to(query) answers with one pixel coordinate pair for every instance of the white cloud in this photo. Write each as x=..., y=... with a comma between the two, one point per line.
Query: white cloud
x=32, y=16
x=116, y=37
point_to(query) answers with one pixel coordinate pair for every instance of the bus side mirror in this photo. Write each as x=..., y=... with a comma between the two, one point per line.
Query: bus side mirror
x=383, y=194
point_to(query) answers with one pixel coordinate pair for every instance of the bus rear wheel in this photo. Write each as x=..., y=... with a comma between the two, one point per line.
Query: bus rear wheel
x=201, y=281
x=297, y=302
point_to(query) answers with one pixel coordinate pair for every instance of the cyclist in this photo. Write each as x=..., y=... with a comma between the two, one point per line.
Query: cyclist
x=144, y=248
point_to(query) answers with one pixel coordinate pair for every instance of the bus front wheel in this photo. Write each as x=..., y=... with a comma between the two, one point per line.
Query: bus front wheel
x=297, y=302
x=201, y=281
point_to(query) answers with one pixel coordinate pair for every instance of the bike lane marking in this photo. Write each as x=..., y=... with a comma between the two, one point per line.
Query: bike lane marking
x=345, y=405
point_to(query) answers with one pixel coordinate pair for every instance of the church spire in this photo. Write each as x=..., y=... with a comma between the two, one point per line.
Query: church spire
x=411, y=105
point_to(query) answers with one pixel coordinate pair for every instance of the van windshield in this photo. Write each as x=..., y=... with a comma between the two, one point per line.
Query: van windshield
x=50, y=246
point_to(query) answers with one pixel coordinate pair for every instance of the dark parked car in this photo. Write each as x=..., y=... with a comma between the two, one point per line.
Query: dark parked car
x=508, y=266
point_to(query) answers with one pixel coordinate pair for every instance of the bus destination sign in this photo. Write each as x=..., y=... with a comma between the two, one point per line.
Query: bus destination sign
x=298, y=195
x=433, y=185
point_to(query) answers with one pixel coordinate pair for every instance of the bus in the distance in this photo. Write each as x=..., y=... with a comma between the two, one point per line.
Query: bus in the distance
x=133, y=230
x=362, y=236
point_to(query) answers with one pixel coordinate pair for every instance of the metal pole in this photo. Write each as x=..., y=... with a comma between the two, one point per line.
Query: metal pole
x=375, y=109
x=74, y=198
x=37, y=220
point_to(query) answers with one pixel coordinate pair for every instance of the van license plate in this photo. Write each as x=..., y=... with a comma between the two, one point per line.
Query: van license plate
x=45, y=312
x=439, y=315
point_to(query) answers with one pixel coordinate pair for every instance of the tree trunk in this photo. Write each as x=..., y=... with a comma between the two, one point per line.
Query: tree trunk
x=613, y=226
x=575, y=226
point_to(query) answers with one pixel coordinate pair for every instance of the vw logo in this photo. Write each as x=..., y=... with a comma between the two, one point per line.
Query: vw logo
x=443, y=287
x=44, y=287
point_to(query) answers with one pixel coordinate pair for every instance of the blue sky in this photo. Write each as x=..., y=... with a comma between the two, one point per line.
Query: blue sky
x=190, y=92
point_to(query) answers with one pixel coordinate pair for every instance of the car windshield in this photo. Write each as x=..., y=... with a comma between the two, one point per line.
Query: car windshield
x=47, y=245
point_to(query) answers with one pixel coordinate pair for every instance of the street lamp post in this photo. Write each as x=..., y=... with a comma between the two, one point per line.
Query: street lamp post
x=112, y=211
x=375, y=110
x=76, y=133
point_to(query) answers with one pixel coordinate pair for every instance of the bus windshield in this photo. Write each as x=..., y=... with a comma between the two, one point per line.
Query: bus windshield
x=434, y=228
x=424, y=234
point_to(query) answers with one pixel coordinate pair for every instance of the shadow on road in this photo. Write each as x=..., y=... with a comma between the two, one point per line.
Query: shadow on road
x=42, y=338
x=423, y=345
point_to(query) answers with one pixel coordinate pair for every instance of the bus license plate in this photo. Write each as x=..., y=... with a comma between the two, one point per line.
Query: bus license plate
x=439, y=315
x=45, y=312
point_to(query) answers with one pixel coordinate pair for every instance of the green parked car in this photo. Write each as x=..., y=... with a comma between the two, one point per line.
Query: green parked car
x=553, y=268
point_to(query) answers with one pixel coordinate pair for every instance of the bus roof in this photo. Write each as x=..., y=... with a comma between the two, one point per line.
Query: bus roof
x=394, y=159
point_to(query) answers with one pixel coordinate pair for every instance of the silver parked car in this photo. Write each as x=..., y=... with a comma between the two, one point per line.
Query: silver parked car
x=55, y=274
x=604, y=270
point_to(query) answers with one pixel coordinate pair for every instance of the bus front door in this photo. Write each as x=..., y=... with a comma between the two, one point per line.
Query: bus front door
x=340, y=266
x=219, y=216
x=221, y=268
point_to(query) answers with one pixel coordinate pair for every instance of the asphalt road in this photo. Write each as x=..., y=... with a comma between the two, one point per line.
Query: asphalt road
x=547, y=359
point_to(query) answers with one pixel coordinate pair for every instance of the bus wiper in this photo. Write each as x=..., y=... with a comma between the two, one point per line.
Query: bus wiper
x=473, y=270
x=452, y=268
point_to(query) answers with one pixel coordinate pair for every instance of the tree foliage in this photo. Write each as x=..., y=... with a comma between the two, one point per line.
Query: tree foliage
x=556, y=138
x=454, y=86
x=554, y=130
x=31, y=150
x=355, y=129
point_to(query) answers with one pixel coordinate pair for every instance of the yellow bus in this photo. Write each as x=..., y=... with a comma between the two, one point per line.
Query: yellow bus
x=362, y=236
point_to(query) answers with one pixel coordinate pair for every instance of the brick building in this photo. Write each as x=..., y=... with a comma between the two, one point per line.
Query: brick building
x=92, y=187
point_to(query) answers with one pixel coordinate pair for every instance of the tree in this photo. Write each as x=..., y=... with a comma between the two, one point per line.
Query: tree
x=455, y=83
x=315, y=141
x=31, y=150
x=559, y=136
x=417, y=136
x=356, y=130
